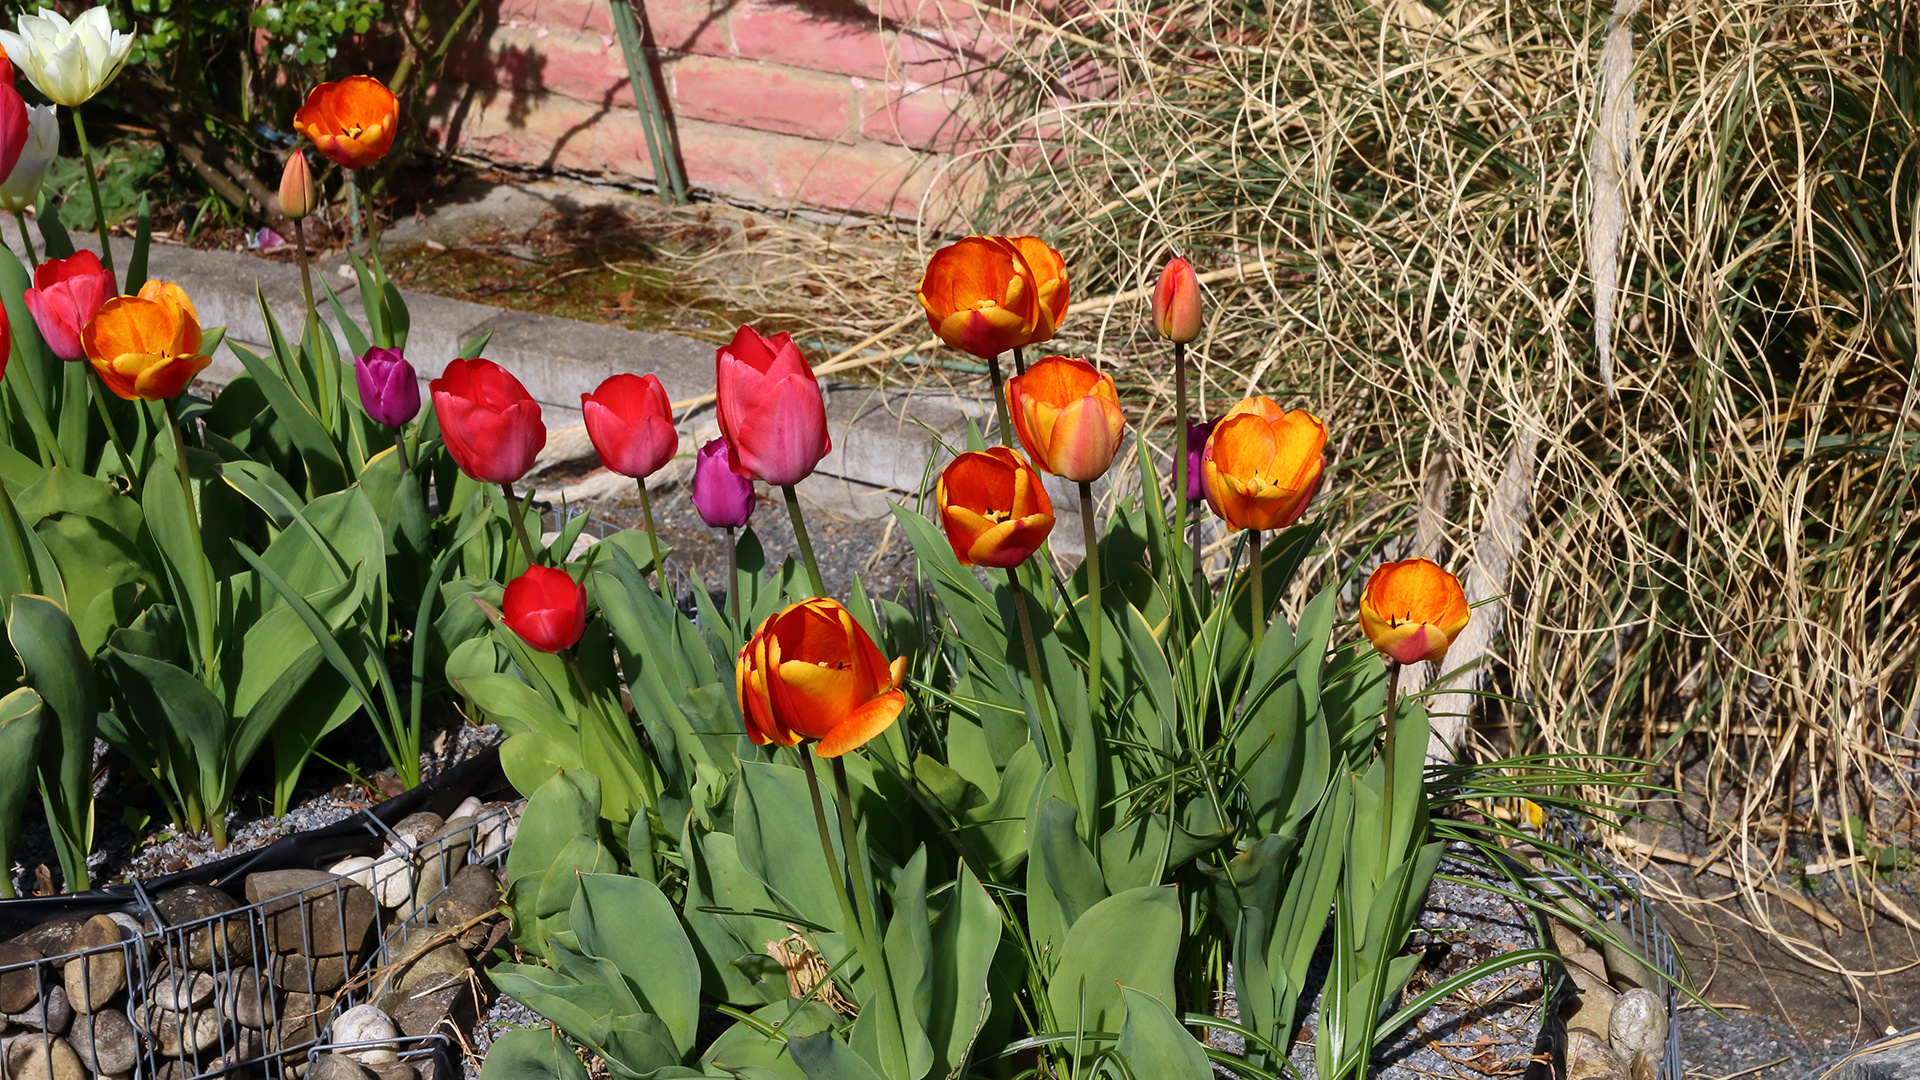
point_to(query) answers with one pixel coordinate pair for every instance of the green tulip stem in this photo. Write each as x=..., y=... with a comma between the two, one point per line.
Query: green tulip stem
x=1256, y=590
x=1052, y=746
x=1387, y=750
x=93, y=188
x=733, y=579
x=800, y=538
x=1019, y=360
x=400, y=447
x=1185, y=553
x=20, y=218
x=353, y=208
x=1095, y=681
x=1000, y=400
x=373, y=223
x=519, y=523
x=893, y=1052
x=306, y=275
x=826, y=846
x=203, y=617
x=99, y=394
x=653, y=539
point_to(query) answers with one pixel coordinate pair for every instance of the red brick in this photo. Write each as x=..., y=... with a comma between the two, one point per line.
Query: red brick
x=764, y=97
x=576, y=65
x=934, y=13
x=579, y=15
x=787, y=35
x=927, y=57
x=866, y=179
x=731, y=161
x=919, y=117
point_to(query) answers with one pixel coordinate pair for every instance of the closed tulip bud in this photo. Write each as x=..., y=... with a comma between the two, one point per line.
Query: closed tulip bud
x=631, y=424
x=21, y=188
x=146, y=346
x=352, y=121
x=980, y=296
x=1049, y=272
x=1176, y=303
x=1262, y=465
x=491, y=424
x=546, y=608
x=1413, y=610
x=65, y=295
x=1196, y=446
x=389, y=389
x=811, y=672
x=1068, y=417
x=297, y=198
x=69, y=62
x=994, y=509
x=722, y=497
x=771, y=411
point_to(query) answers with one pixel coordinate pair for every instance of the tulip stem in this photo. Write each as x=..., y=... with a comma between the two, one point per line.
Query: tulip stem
x=1095, y=680
x=20, y=218
x=99, y=393
x=1183, y=554
x=400, y=447
x=203, y=618
x=1386, y=799
x=733, y=579
x=353, y=207
x=1019, y=360
x=876, y=961
x=1052, y=750
x=800, y=538
x=653, y=538
x=1000, y=400
x=93, y=187
x=1256, y=591
x=306, y=276
x=519, y=523
x=826, y=846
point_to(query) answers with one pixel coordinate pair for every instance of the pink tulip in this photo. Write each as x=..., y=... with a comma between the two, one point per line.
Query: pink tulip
x=65, y=294
x=771, y=411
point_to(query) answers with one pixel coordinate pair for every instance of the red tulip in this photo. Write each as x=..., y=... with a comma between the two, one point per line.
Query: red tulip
x=490, y=423
x=65, y=294
x=1176, y=302
x=631, y=424
x=545, y=608
x=771, y=411
x=13, y=125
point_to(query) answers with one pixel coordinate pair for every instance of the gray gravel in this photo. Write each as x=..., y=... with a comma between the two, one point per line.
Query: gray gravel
x=505, y=1015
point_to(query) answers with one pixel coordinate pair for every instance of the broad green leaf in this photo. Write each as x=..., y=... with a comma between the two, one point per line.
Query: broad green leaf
x=566, y=806
x=1063, y=878
x=966, y=935
x=325, y=472
x=630, y=922
x=1130, y=939
x=58, y=669
x=908, y=946
x=1154, y=1043
x=160, y=697
x=720, y=893
x=823, y=1057
x=744, y=1047
x=532, y=1054
x=779, y=844
x=22, y=722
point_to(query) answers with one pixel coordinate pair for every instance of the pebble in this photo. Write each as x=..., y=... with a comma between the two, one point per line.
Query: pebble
x=181, y=1034
x=1590, y=1058
x=35, y=1058
x=212, y=940
x=1639, y=1023
x=105, y=1042
x=497, y=830
x=393, y=877
x=417, y=827
x=244, y=999
x=180, y=991
x=51, y=1013
x=338, y=915
x=20, y=984
x=367, y=1024
x=337, y=1067
x=469, y=807
x=93, y=979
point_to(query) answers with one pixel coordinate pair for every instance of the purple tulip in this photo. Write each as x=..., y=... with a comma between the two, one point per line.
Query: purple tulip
x=388, y=390
x=723, y=498
x=1196, y=442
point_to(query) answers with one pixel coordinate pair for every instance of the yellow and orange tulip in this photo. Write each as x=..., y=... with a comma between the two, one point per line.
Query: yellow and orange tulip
x=146, y=346
x=1067, y=414
x=981, y=297
x=1413, y=610
x=352, y=121
x=1262, y=465
x=811, y=672
x=994, y=509
x=1049, y=283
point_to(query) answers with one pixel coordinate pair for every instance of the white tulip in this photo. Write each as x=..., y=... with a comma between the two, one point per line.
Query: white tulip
x=68, y=61
x=21, y=188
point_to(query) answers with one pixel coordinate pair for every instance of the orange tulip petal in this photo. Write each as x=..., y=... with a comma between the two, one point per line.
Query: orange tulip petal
x=863, y=725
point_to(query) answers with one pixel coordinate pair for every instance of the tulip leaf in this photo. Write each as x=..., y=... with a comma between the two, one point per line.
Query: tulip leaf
x=1063, y=878
x=182, y=716
x=1128, y=939
x=779, y=843
x=966, y=937
x=720, y=896
x=23, y=718
x=745, y=1050
x=532, y=1054
x=54, y=241
x=908, y=945
x=324, y=470
x=823, y=1057
x=357, y=341
x=61, y=673
x=1154, y=1043
x=630, y=922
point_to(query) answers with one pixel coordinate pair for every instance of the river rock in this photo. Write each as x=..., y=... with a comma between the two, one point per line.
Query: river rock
x=309, y=974
x=51, y=1013
x=441, y=1000
x=242, y=998
x=399, y=1070
x=417, y=827
x=96, y=977
x=302, y=1017
x=1590, y=1058
x=473, y=894
x=441, y=857
x=1626, y=968
x=241, y=1045
x=181, y=990
x=358, y=868
x=53, y=938
x=497, y=829
x=1638, y=1024
x=20, y=983
x=392, y=877
x=448, y=959
x=367, y=1024
x=337, y=1067
x=105, y=1042
x=216, y=940
x=312, y=912
x=32, y=1057
x=181, y=1034
x=469, y=807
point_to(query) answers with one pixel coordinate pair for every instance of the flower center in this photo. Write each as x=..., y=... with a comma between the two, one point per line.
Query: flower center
x=998, y=516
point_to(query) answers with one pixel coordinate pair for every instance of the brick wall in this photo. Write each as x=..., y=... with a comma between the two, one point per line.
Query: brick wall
x=831, y=104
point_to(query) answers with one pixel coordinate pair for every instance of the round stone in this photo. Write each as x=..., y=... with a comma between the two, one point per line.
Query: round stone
x=105, y=1042
x=367, y=1024
x=31, y=1058
x=181, y=990
x=1638, y=1024
x=20, y=969
x=93, y=979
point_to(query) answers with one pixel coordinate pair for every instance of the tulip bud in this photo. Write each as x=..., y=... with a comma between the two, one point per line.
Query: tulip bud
x=297, y=199
x=1176, y=303
x=1197, y=435
x=723, y=498
x=770, y=408
x=389, y=391
x=1067, y=415
x=545, y=608
x=1413, y=610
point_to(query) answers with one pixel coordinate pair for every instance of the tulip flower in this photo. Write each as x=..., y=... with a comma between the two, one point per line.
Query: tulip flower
x=65, y=295
x=69, y=62
x=1049, y=272
x=1068, y=417
x=1262, y=466
x=14, y=128
x=546, y=608
x=352, y=121
x=389, y=389
x=1196, y=445
x=1413, y=610
x=771, y=411
x=6, y=68
x=811, y=672
x=297, y=197
x=490, y=423
x=631, y=424
x=21, y=188
x=723, y=498
x=6, y=341
x=994, y=509
x=145, y=346
x=1176, y=303
x=981, y=297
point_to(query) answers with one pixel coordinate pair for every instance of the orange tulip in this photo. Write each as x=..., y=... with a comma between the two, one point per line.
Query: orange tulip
x=1067, y=415
x=981, y=297
x=1049, y=283
x=351, y=121
x=811, y=672
x=1262, y=465
x=1176, y=302
x=995, y=511
x=1413, y=610
x=146, y=346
